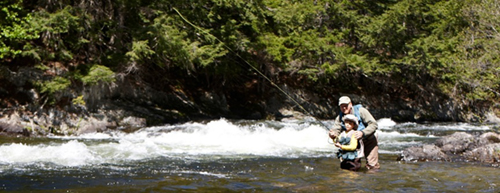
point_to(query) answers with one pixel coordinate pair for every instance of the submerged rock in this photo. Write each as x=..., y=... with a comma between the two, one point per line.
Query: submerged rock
x=459, y=146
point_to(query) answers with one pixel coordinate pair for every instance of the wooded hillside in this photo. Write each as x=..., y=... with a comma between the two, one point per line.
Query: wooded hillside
x=183, y=59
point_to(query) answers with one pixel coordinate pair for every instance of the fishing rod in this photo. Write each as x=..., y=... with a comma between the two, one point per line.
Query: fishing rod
x=253, y=67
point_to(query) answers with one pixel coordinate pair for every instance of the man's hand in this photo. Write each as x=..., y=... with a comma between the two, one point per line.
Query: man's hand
x=359, y=134
x=332, y=135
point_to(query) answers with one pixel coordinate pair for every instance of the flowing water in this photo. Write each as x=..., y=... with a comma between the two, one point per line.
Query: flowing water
x=233, y=156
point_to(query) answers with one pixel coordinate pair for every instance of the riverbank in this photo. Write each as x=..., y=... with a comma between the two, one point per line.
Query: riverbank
x=129, y=108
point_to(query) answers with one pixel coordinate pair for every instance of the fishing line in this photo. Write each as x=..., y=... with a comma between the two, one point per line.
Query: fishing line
x=253, y=67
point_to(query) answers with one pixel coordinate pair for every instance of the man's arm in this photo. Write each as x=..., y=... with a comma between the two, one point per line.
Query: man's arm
x=370, y=123
x=335, y=130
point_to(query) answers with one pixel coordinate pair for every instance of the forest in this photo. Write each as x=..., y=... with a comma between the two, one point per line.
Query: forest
x=177, y=60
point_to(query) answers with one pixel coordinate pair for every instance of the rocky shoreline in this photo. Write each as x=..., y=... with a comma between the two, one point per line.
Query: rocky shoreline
x=458, y=147
x=64, y=123
x=128, y=109
x=131, y=102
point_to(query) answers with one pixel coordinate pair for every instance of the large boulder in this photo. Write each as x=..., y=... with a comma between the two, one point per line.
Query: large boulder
x=459, y=146
x=489, y=153
x=424, y=153
x=7, y=128
x=456, y=143
x=488, y=138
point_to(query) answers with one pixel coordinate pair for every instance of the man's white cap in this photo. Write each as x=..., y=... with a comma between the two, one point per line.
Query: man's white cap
x=344, y=100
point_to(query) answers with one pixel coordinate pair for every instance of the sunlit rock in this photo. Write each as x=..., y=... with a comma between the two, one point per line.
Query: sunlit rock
x=456, y=142
x=133, y=122
x=424, y=153
x=489, y=153
x=492, y=118
x=12, y=129
x=91, y=125
x=459, y=146
x=489, y=137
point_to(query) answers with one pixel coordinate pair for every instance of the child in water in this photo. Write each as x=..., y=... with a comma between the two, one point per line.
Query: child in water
x=351, y=149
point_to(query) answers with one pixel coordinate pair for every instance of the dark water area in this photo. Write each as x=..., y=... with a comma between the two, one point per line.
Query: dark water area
x=233, y=156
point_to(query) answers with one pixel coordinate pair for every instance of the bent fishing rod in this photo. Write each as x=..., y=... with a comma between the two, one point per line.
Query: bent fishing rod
x=253, y=67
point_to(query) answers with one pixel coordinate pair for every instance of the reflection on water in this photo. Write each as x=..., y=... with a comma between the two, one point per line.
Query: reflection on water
x=240, y=156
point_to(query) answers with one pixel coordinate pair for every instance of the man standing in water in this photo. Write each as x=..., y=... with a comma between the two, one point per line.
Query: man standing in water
x=366, y=129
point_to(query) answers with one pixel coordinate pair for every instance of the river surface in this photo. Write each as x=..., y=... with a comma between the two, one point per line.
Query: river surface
x=234, y=156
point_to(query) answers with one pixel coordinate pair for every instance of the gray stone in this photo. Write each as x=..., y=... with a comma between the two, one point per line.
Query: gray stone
x=459, y=146
x=424, y=153
x=456, y=143
x=489, y=153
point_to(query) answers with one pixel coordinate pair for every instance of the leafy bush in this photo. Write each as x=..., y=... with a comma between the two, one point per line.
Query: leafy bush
x=99, y=74
x=57, y=84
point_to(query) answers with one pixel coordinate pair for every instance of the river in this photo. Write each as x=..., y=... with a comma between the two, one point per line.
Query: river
x=233, y=156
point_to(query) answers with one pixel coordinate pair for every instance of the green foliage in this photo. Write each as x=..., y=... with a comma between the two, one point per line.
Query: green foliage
x=99, y=74
x=57, y=84
x=140, y=51
x=14, y=30
x=276, y=48
x=56, y=29
x=310, y=73
x=449, y=47
x=479, y=48
x=79, y=101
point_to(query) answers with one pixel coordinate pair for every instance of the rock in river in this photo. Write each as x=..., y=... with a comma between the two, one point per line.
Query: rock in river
x=459, y=146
